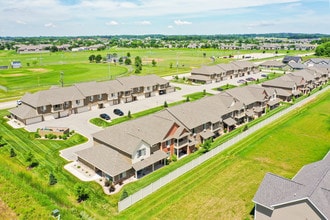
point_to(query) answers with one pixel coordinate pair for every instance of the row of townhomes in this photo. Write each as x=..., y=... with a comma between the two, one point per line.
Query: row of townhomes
x=220, y=72
x=306, y=196
x=63, y=101
x=138, y=147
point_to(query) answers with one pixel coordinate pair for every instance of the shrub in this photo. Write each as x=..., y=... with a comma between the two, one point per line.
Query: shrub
x=37, y=135
x=174, y=158
x=245, y=128
x=12, y=152
x=165, y=104
x=81, y=192
x=124, y=195
x=107, y=183
x=52, y=179
x=112, y=188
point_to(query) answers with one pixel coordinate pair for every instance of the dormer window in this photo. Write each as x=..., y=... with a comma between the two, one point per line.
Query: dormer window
x=141, y=152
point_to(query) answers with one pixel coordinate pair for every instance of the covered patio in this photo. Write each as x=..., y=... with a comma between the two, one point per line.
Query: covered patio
x=150, y=164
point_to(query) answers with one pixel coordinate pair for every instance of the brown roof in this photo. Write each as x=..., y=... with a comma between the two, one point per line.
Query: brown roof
x=106, y=159
x=155, y=157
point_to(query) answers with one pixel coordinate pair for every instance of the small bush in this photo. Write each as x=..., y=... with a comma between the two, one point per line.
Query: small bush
x=107, y=183
x=174, y=158
x=112, y=188
x=37, y=135
x=124, y=195
x=245, y=128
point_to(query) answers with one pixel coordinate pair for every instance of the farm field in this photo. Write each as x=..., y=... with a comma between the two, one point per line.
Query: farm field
x=223, y=187
x=41, y=70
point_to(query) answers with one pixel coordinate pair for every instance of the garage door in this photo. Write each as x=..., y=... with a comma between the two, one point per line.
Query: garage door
x=33, y=120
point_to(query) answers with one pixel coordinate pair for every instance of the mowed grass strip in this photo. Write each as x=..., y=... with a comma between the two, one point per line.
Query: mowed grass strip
x=223, y=187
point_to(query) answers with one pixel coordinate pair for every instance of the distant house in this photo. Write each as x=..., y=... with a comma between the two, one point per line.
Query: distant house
x=16, y=64
x=272, y=64
x=295, y=59
x=295, y=66
x=317, y=61
x=306, y=196
x=3, y=67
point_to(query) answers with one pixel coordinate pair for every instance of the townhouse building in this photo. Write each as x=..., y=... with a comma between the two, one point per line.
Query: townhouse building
x=60, y=102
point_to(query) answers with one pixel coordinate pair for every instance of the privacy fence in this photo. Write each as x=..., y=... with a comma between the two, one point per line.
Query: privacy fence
x=129, y=201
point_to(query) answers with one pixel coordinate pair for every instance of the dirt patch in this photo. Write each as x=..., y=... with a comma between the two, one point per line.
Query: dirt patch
x=6, y=212
x=149, y=60
x=38, y=70
x=14, y=75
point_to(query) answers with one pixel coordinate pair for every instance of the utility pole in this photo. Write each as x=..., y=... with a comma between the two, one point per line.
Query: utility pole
x=61, y=78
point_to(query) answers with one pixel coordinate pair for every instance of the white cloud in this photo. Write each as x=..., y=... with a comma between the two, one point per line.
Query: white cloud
x=49, y=25
x=20, y=22
x=179, y=22
x=112, y=23
x=143, y=22
x=170, y=26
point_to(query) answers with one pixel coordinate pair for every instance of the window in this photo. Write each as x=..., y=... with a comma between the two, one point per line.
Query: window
x=43, y=108
x=168, y=143
x=66, y=104
x=77, y=102
x=141, y=152
x=100, y=96
x=122, y=175
x=91, y=98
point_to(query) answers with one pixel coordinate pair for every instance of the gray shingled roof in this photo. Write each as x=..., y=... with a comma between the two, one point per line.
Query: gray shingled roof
x=279, y=82
x=248, y=94
x=208, y=109
x=52, y=96
x=273, y=63
x=127, y=136
x=312, y=182
x=106, y=159
x=24, y=111
x=91, y=88
x=155, y=157
x=244, y=64
x=228, y=66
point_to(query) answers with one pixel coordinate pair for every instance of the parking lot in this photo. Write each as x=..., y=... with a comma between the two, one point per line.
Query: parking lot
x=80, y=122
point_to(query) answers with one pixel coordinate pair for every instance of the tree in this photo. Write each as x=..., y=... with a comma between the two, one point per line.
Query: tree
x=204, y=55
x=32, y=162
x=98, y=58
x=207, y=145
x=52, y=179
x=91, y=58
x=187, y=99
x=153, y=62
x=128, y=61
x=138, y=64
x=120, y=60
x=12, y=152
x=81, y=192
x=124, y=195
x=129, y=114
x=128, y=54
x=165, y=104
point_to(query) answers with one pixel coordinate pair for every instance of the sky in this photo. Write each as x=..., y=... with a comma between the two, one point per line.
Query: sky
x=168, y=17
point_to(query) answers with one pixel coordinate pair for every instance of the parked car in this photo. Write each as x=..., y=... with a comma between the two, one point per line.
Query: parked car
x=241, y=81
x=250, y=79
x=105, y=116
x=117, y=111
x=263, y=75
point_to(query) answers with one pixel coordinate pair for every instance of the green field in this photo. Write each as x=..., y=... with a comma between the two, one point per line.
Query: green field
x=44, y=69
x=223, y=187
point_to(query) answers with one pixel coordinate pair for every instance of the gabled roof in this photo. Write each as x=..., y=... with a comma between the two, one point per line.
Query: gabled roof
x=150, y=129
x=228, y=66
x=318, y=60
x=296, y=66
x=244, y=64
x=207, y=70
x=299, y=80
x=307, y=75
x=208, y=109
x=311, y=183
x=273, y=63
x=91, y=88
x=248, y=94
x=24, y=111
x=52, y=96
x=287, y=59
x=279, y=82
x=105, y=159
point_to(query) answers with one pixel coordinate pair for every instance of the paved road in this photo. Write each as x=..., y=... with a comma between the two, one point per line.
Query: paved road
x=80, y=122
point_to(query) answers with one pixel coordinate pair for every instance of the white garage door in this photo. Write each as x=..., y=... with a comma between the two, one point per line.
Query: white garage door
x=33, y=120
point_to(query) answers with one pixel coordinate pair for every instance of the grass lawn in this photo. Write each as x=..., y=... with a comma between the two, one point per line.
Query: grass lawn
x=224, y=87
x=223, y=187
x=44, y=69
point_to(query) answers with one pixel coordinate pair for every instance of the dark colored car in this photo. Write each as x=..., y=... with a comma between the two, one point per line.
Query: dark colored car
x=241, y=81
x=119, y=112
x=250, y=79
x=263, y=75
x=105, y=116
